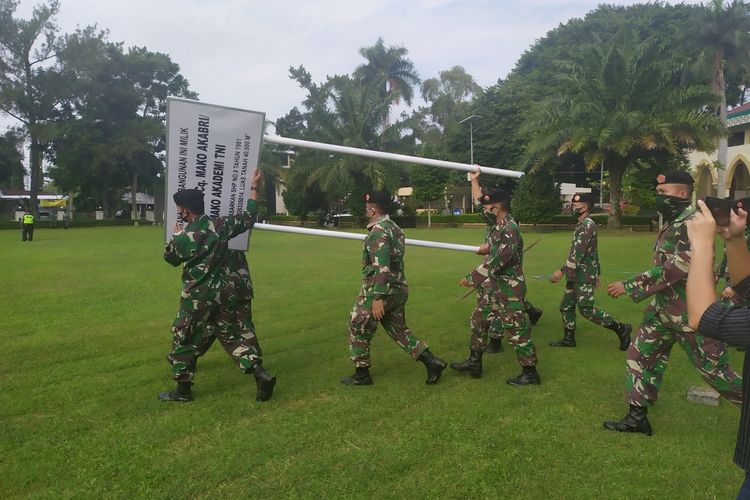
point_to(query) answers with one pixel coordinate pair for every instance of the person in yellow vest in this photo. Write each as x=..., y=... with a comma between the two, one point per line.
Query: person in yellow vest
x=27, y=226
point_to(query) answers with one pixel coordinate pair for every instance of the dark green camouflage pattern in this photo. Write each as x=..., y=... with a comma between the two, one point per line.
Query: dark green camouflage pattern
x=582, y=296
x=382, y=278
x=665, y=323
x=581, y=270
x=582, y=265
x=215, y=300
x=501, y=293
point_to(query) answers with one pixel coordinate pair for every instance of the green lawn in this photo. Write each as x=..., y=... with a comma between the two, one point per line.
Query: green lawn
x=85, y=329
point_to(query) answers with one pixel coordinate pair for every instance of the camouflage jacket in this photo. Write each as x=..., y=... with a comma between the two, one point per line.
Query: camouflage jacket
x=582, y=265
x=239, y=273
x=666, y=281
x=203, y=249
x=383, y=259
x=504, y=263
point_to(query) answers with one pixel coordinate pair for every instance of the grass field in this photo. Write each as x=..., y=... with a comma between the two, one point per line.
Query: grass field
x=85, y=329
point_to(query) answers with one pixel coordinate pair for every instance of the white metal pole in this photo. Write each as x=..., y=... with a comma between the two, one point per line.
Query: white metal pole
x=601, y=185
x=360, y=237
x=381, y=155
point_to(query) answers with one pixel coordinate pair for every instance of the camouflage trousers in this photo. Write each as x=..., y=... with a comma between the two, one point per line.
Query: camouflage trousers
x=582, y=295
x=497, y=317
x=198, y=324
x=362, y=328
x=648, y=355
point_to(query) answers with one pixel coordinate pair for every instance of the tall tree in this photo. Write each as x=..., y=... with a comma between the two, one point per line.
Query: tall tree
x=27, y=87
x=429, y=184
x=12, y=170
x=348, y=111
x=724, y=35
x=390, y=71
x=449, y=95
x=620, y=102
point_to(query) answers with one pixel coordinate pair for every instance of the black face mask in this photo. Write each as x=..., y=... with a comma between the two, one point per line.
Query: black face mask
x=576, y=213
x=488, y=216
x=670, y=206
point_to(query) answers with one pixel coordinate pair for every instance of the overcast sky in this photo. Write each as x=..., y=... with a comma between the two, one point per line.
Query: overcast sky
x=237, y=53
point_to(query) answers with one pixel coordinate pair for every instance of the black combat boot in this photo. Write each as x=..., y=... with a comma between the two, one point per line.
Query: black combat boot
x=495, y=346
x=264, y=382
x=361, y=377
x=529, y=376
x=183, y=393
x=634, y=421
x=568, y=340
x=534, y=314
x=434, y=365
x=623, y=333
x=472, y=365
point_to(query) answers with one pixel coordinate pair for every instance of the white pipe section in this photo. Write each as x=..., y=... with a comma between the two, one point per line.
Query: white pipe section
x=360, y=237
x=381, y=155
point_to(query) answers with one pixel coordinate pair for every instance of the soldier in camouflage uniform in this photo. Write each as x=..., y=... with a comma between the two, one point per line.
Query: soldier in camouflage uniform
x=665, y=320
x=383, y=295
x=581, y=272
x=501, y=289
x=214, y=300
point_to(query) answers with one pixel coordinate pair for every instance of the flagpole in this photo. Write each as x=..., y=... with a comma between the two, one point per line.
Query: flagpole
x=361, y=237
x=382, y=155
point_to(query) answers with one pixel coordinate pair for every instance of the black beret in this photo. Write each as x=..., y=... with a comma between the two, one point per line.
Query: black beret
x=675, y=177
x=494, y=195
x=380, y=198
x=583, y=198
x=192, y=199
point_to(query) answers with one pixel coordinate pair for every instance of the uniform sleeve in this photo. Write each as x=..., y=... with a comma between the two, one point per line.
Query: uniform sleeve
x=234, y=225
x=499, y=257
x=379, y=250
x=658, y=278
x=578, y=248
x=181, y=249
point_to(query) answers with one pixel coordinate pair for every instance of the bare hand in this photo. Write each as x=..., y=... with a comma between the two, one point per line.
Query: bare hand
x=484, y=249
x=702, y=226
x=598, y=283
x=177, y=228
x=556, y=276
x=616, y=289
x=473, y=176
x=728, y=293
x=736, y=227
x=378, y=310
x=465, y=283
x=257, y=177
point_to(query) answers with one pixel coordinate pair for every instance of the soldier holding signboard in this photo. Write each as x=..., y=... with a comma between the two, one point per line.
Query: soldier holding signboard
x=214, y=298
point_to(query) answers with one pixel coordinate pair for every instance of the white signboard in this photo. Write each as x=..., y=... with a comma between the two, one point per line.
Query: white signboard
x=215, y=149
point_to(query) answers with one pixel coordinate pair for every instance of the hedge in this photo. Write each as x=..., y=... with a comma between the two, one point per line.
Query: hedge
x=45, y=224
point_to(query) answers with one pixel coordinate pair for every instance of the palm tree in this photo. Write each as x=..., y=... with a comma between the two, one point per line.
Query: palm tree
x=723, y=34
x=618, y=103
x=354, y=117
x=390, y=71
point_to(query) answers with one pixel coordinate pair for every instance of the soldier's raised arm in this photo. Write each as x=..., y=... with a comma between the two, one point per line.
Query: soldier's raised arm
x=234, y=225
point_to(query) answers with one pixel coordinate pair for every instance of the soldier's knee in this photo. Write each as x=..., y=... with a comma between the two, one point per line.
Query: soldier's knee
x=586, y=311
